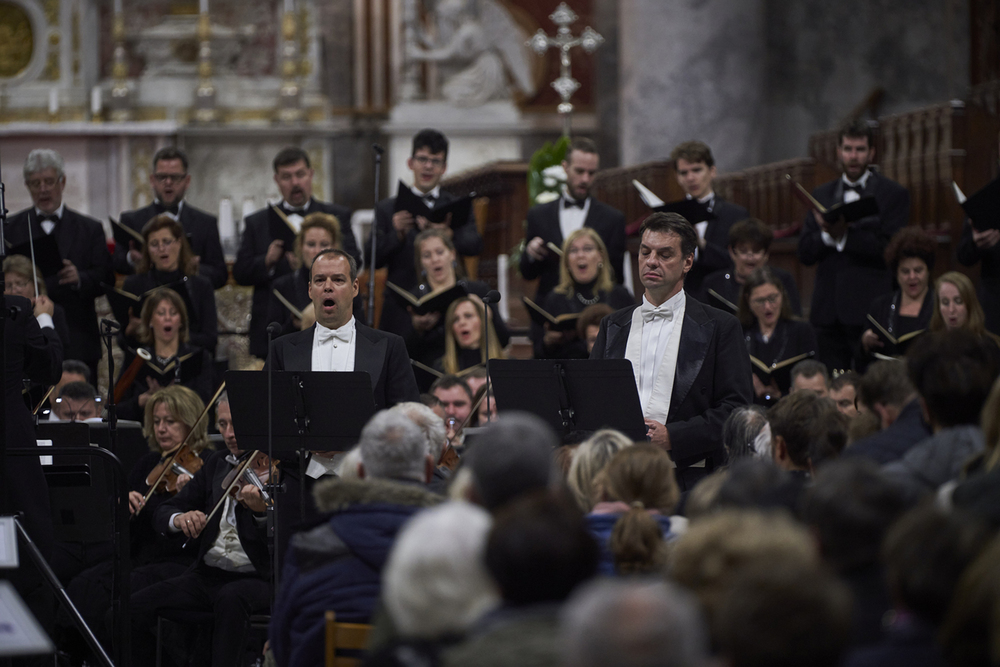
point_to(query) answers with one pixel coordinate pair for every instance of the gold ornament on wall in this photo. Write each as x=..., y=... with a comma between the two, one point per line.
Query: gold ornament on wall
x=17, y=42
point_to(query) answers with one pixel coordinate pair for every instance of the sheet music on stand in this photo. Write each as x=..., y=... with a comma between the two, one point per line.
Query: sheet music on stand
x=20, y=633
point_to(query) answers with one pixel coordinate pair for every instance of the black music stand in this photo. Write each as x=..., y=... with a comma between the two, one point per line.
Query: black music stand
x=571, y=394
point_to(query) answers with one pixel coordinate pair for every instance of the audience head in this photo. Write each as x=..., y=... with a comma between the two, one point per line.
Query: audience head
x=429, y=423
x=788, y=616
x=584, y=262
x=970, y=633
x=763, y=300
x=589, y=459
x=319, y=231
x=633, y=623
x=454, y=397
x=956, y=305
x=435, y=582
x=394, y=447
x=855, y=148
x=953, y=372
x=749, y=243
x=428, y=160
x=751, y=483
x=45, y=179
x=792, y=421
x=435, y=258
x=695, y=168
x=170, y=414
x=580, y=165
x=224, y=424
x=170, y=178
x=77, y=401
x=589, y=323
x=165, y=246
x=293, y=175
x=844, y=392
x=164, y=318
x=701, y=500
x=666, y=254
x=810, y=374
x=476, y=379
x=19, y=277
x=850, y=506
x=885, y=390
x=742, y=430
x=333, y=284
x=512, y=457
x=539, y=550
x=830, y=437
x=910, y=257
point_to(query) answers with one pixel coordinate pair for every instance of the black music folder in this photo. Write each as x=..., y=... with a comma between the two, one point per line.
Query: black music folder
x=48, y=259
x=564, y=322
x=436, y=301
x=983, y=206
x=459, y=209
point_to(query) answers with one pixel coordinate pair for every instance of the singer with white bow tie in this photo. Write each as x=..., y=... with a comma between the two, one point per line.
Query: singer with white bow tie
x=691, y=366
x=338, y=342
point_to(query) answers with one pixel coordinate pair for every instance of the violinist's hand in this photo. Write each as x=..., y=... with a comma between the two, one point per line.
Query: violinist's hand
x=182, y=481
x=135, y=502
x=190, y=523
x=249, y=496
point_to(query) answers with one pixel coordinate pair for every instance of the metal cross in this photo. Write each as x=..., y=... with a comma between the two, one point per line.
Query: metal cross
x=564, y=40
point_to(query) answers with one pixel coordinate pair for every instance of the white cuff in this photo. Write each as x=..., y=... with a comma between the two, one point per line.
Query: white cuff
x=832, y=242
x=128, y=258
x=170, y=523
x=45, y=320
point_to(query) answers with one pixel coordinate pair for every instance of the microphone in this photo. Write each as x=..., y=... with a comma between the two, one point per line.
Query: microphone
x=378, y=149
x=111, y=325
x=492, y=296
x=274, y=328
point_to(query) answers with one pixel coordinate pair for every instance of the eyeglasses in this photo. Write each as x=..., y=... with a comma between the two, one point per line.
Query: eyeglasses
x=423, y=161
x=582, y=250
x=761, y=300
x=165, y=243
x=169, y=178
x=19, y=284
x=36, y=183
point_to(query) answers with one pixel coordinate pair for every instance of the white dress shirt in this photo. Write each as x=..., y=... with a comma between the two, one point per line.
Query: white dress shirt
x=656, y=353
x=48, y=225
x=850, y=196
x=430, y=198
x=333, y=349
x=571, y=218
x=295, y=214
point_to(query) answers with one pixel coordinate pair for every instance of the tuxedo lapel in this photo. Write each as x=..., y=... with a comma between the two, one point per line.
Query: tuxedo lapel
x=695, y=337
x=619, y=326
x=369, y=355
x=299, y=356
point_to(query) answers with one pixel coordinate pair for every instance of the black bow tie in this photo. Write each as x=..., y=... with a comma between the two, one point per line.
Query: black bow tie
x=293, y=209
x=161, y=208
x=51, y=216
x=574, y=203
x=857, y=188
x=429, y=200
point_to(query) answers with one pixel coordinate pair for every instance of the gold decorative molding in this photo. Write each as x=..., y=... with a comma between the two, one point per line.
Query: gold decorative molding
x=17, y=41
x=315, y=154
x=141, y=155
x=65, y=115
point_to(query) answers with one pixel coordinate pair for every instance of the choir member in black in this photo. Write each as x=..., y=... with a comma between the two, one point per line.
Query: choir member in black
x=163, y=332
x=169, y=417
x=436, y=263
x=910, y=257
x=18, y=275
x=749, y=248
x=463, y=332
x=771, y=332
x=957, y=307
x=974, y=247
x=584, y=280
x=167, y=262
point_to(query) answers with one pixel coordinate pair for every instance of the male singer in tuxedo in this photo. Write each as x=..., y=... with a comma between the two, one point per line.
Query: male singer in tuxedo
x=851, y=269
x=691, y=366
x=262, y=258
x=396, y=230
x=82, y=244
x=170, y=180
x=694, y=166
x=338, y=342
x=554, y=221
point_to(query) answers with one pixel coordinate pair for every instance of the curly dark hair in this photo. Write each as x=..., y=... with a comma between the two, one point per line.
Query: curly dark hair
x=910, y=242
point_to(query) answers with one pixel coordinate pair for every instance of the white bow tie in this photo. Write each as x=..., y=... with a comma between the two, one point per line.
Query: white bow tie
x=342, y=334
x=650, y=313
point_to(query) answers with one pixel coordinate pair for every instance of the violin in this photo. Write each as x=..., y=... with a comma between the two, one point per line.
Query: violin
x=257, y=470
x=182, y=461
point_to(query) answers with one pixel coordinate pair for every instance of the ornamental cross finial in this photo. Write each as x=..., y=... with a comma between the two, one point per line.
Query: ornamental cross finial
x=564, y=40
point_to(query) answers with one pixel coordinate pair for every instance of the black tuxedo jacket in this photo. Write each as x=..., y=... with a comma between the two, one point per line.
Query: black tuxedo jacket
x=81, y=240
x=989, y=275
x=380, y=354
x=712, y=377
x=202, y=230
x=250, y=269
x=715, y=256
x=543, y=221
x=846, y=282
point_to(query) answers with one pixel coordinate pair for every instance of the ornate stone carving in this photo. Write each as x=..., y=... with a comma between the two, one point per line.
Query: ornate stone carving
x=16, y=40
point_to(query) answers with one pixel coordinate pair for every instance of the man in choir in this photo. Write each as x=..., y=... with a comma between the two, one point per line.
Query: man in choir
x=691, y=366
x=261, y=257
x=82, y=245
x=337, y=342
x=812, y=375
x=695, y=169
x=170, y=180
x=396, y=230
x=851, y=270
x=554, y=221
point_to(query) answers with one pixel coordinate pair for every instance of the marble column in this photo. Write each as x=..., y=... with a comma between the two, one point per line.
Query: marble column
x=692, y=69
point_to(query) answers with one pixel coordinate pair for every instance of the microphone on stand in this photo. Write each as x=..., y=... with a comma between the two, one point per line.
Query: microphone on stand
x=493, y=296
x=377, y=150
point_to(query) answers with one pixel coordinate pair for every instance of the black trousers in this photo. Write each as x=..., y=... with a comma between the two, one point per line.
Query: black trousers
x=231, y=599
x=839, y=345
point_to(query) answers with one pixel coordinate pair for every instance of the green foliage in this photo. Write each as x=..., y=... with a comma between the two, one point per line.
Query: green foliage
x=547, y=156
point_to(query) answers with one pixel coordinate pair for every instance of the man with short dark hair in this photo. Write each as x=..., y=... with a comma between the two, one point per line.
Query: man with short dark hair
x=338, y=342
x=552, y=222
x=792, y=421
x=851, y=269
x=396, y=230
x=82, y=244
x=455, y=398
x=262, y=258
x=169, y=180
x=886, y=391
x=844, y=392
x=694, y=167
x=690, y=363
x=812, y=375
x=77, y=402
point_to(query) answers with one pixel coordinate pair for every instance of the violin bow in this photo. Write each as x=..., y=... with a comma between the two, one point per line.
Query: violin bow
x=242, y=468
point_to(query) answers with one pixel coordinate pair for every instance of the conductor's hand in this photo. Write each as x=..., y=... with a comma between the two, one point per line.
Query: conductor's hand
x=249, y=496
x=43, y=304
x=658, y=434
x=68, y=275
x=190, y=523
x=536, y=249
x=274, y=252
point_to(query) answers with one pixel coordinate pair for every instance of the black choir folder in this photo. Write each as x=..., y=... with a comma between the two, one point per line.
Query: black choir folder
x=123, y=234
x=121, y=300
x=436, y=301
x=690, y=209
x=856, y=210
x=780, y=371
x=892, y=346
x=48, y=259
x=459, y=209
x=420, y=369
x=564, y=322
x=983, y=206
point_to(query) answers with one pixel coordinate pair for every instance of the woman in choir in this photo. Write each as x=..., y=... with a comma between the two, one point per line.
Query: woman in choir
x=957, y=307
x=772, y=334
x=910, y=256
x=163, y=332
x=437, y=267
x=463, y=326
x=167, y=261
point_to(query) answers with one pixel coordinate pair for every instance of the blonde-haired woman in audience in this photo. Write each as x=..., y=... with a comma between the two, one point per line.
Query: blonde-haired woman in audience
x=589, y=460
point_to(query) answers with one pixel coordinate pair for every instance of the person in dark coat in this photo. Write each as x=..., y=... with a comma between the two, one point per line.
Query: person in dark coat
x=983, y=248
x=170, y=180
x=82, y=245
x=885, y=390
x=261, y=257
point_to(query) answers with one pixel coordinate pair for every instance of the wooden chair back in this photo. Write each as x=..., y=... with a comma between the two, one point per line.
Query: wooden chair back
x=344, y=636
